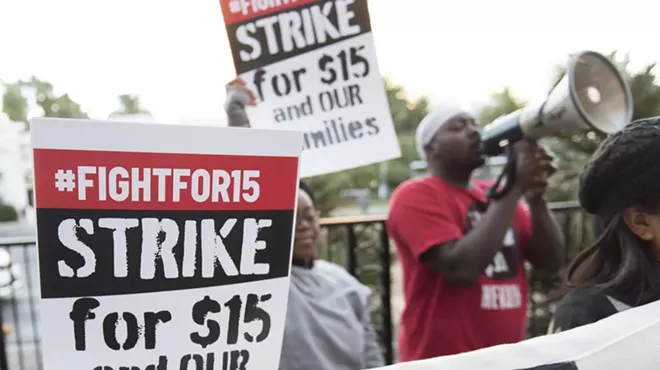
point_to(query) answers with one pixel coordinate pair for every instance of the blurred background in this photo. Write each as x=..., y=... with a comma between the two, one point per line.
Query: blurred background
x=168, y=61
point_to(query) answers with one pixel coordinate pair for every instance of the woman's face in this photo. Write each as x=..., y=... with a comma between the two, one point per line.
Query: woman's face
x=645, y=225
x=307, y=228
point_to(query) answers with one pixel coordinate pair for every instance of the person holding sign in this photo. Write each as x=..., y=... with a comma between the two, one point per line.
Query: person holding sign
x=462, y=256
x=328, y=323
x=621, y=270
x=238, y=97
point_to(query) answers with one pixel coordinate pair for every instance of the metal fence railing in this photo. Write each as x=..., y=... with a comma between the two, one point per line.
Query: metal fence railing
x=359, y=243
x=20, y=344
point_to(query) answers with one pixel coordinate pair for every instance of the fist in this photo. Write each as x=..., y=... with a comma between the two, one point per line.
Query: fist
x=534, y=167
x=238, y=92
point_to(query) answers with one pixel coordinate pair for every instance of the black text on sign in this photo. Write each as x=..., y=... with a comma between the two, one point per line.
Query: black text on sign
x=159, y=239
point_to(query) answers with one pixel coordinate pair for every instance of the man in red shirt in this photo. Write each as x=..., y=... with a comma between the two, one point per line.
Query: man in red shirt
x=463, y=256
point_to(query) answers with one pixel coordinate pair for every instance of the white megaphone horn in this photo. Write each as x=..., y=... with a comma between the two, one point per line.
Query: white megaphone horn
x=593, y=95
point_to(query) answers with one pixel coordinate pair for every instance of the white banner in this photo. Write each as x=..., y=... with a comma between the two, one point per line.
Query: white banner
x=628, y=340
x=312, y=66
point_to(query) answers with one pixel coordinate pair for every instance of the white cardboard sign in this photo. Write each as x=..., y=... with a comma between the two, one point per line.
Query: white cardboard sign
x=313, y=68
x=161, y=246
x=627, y=340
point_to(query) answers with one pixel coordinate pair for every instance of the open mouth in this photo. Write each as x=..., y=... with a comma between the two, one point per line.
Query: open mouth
x=477, y=147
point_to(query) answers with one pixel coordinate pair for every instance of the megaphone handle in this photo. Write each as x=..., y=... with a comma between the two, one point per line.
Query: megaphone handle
x=509, y=171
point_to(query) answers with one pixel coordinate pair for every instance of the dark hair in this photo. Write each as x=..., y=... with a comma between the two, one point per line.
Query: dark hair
x=304, y=187
x=599, y=228
x=623, y=172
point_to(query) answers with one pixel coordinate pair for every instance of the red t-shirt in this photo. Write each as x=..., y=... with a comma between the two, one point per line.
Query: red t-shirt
x=441, y=318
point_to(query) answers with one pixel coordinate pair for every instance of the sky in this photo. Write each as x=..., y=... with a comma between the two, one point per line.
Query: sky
x=174, y=53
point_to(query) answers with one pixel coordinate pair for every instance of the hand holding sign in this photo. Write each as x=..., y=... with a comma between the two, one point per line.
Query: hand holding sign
x=312, y=67
x=242, y=93
x=239, y=96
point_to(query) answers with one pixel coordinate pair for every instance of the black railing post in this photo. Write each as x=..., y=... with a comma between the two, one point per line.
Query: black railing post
x=18, y=332
x=386, y=286
x=351, y=250
x=3, y=344
x=18, y=309
x=33, y=308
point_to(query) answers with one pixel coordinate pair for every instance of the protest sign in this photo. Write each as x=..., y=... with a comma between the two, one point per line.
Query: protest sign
x=627, y=340
x=163, y=247
x=312, y=66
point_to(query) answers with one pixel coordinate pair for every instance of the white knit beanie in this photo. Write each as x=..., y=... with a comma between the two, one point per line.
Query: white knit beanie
x=430, y=125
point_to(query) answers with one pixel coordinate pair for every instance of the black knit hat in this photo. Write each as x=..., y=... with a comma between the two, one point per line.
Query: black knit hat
x=624, y=170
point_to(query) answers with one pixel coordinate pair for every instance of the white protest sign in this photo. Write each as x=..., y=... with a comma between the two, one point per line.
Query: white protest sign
x=312, y=66
x=162, y=246
x=627, y=340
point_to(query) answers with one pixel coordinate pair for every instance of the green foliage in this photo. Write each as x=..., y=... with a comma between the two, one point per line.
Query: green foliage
x=129, y=104
x=646, y=93
x=7, y=213
x=54, y=105
x=14, y=104
x=15, y=101
x=501, y=103
x=406, y=114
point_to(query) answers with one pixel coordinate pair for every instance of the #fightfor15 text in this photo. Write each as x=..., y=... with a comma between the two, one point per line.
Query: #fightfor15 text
x=135, y=184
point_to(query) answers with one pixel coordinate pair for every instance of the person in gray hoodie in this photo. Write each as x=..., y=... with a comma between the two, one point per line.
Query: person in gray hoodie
x=238, y=97
x=328, y=324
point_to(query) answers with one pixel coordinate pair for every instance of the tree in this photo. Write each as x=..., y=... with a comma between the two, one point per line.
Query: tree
x=53, y=105
x=16, y=102
x=501, y=103
x=129, y=105
x=406, y=114
x=7, y=212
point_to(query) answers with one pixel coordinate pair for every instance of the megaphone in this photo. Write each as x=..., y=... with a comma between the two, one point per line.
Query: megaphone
x=592, y=95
